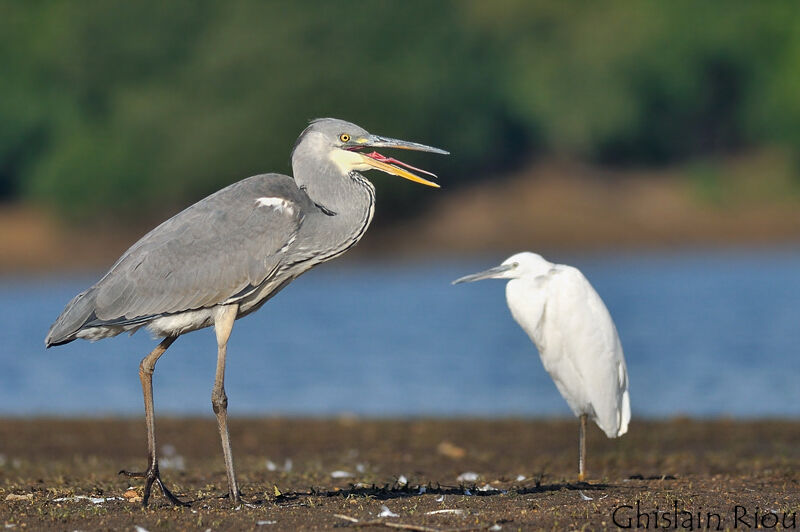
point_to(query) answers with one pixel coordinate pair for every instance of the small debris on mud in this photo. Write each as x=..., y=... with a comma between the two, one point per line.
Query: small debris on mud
x=528, y=474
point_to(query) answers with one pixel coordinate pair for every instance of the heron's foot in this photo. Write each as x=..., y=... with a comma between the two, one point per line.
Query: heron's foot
x=152, y=475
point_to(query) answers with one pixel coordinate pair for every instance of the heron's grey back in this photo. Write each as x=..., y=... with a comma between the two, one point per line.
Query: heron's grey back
x=203, y=256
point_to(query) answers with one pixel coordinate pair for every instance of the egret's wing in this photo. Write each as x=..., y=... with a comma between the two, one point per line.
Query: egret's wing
x=206, y=254
x=591, y=349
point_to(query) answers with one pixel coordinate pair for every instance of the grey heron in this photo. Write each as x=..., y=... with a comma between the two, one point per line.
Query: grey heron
x=575, y=336
x=225, y=256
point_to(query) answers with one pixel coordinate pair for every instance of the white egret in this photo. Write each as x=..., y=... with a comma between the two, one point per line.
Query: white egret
x=576, y=338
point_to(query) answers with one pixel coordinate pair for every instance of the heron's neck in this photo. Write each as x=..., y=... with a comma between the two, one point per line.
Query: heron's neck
x=326, y=185
x=347, y=203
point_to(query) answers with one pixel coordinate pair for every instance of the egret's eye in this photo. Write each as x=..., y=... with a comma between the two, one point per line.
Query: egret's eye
x=515, y=264
x=344, y=137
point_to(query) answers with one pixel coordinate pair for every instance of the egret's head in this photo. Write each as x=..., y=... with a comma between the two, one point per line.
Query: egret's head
x=514, y=267
x=344, y=144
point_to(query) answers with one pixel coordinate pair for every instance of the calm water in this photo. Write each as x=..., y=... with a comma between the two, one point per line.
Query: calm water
x=704, y=334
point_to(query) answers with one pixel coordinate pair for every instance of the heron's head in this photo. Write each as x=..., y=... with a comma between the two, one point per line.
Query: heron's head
x=514, y=267
x=352, y=148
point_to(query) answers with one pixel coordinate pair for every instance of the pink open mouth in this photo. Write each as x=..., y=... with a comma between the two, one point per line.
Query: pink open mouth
x=391, y=160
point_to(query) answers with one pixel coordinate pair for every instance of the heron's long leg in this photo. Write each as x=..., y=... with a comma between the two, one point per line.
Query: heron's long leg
x=146, y=368
x=582, y=447
x=223, y=324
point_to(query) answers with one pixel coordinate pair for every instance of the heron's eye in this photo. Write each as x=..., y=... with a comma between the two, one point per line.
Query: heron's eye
x=515, y=264
x=344, y=137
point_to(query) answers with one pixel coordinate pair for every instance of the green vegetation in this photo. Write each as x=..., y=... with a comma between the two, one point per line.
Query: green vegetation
x=145, y=106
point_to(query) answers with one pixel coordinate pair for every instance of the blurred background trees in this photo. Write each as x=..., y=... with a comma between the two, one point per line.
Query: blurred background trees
x=143, y=107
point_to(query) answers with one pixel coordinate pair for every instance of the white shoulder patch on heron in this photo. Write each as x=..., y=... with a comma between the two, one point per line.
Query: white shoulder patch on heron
x=279, y=204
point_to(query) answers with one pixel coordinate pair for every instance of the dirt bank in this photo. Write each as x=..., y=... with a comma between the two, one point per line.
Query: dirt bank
x=750, y=199
x=554, y=205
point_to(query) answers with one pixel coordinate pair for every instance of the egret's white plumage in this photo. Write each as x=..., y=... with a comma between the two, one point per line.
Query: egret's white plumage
x=574, y=333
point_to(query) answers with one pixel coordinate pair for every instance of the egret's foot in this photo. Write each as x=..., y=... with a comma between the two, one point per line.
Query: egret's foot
x=150, y=476
x=237, y=500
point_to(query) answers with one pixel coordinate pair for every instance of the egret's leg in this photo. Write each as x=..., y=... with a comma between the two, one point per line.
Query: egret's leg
x=219, y=401
x=582, y=449
x=146, y=368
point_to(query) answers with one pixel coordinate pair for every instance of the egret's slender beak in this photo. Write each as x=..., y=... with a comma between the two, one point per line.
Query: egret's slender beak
x=391, y=165
x=491, y=273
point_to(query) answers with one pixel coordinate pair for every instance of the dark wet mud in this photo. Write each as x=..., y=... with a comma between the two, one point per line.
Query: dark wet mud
x=408, y=475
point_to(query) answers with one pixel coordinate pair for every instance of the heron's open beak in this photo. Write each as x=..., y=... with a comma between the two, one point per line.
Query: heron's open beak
x=491, y=273
x=391, y=165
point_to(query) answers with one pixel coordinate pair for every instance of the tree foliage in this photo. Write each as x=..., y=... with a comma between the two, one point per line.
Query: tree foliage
x=148, y=105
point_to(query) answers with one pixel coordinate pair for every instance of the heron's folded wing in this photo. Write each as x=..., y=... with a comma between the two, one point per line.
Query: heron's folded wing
x=207, y=253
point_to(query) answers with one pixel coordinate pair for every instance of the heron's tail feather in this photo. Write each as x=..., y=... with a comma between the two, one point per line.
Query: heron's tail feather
x=75, y=315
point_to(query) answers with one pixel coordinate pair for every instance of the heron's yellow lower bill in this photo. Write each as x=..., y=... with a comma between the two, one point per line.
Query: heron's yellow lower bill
x=394, y=170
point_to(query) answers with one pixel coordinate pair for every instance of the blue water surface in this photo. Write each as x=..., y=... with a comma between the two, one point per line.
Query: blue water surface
x=704, y=333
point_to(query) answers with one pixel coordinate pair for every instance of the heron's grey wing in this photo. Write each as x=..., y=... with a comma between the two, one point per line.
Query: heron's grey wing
x=206, y=254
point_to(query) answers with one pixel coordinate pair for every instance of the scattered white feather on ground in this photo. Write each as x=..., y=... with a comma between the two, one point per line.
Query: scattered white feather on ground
x=469, y=476
x=168, y=449
x=402, y=480
x=520, y=478
x=262, y=523
x=585, y=497
x=495, y=527
x=170, y=459
x=422, y=490
x=172, y=462
x=341, y=474
x=140, y=528
x=440, y=499
x=272, y=466
x=454, y=511
x=386, y=512
x=94, y=500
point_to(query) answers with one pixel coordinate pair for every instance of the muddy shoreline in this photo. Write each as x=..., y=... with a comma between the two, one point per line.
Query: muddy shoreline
x=440, y=474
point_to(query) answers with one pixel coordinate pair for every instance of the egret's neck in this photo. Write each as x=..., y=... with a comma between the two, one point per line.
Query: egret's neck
x=527, y=303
